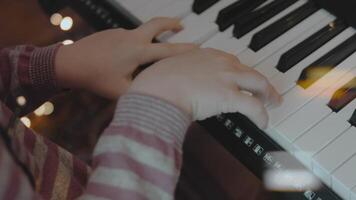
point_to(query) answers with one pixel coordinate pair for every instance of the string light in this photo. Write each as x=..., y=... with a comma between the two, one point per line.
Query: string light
x=66, y=23
x=49, y=108
x=26, y=121
x=21, y=100
x=56, y=19
x=67, y=42
x=40, y=111
x=45, y=109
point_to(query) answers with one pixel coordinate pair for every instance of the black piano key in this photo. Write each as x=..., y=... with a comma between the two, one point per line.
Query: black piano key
x=230, y=14
x=270, y=33
x=353, y=119
x=327, y=63
x=308, y=46
x=260, y=16
x=200, y=6
x=343, y=96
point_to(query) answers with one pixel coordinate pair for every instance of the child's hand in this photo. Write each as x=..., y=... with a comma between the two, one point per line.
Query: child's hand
x=208, y=82
x=103, y=63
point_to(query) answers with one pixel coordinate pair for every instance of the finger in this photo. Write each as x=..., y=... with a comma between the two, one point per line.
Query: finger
x=222, y=55
x=254, y=82
x=159, y=51
x=247, y=105
x=156, y=26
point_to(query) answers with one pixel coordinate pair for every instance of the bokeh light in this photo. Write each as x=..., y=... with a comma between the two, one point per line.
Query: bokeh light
x=66, y=23
x=21, y=100
x=26, y=121
x=56, y=19
x=67, y=42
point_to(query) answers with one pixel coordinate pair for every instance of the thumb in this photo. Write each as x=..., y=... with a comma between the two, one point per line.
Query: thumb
x=159, y=51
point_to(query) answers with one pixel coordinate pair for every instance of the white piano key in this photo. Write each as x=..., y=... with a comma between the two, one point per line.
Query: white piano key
x=212, y=13
x=268, y=66
x=199, y=28
x=313, y=112
x=236, y=46
x=280, y=139
x=223, y=41
x=285, y=81
x=344, y=178
x=303, y=157
x=152, y=9
x=177, y=8
x=321, y=135
x=202, y=30
x=335, y=154
x=251, y=58
x=353, y=194
x=145, y=10
x=298, y=97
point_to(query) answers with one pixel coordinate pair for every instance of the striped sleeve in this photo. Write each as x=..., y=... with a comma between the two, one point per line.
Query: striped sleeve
x=139, y=155
x=27, y=71
x=13, y=182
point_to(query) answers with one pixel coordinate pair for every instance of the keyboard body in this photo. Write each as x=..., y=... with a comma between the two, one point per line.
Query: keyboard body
x=316, y=123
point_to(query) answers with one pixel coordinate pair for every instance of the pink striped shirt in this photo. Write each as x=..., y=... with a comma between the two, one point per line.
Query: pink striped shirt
x=139, y=155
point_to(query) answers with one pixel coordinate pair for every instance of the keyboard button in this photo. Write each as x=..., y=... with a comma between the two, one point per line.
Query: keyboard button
x=327, y=63
x=285, y=81
x=272, y=32
x=259, y=16
x=231, y=13
x=305, y=48
x=200, y=6
x=343, y=96
x=335, y=154
x=268, y=66
x=344, y=178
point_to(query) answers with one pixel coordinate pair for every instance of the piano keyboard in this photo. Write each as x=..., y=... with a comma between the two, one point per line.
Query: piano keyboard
x=308, y=54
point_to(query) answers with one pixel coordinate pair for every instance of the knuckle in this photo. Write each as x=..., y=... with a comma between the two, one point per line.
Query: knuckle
x=209, y=50
x=264, y=82
x=156, y=19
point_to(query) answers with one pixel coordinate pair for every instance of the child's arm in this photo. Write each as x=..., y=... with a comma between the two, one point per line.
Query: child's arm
x=102, y=63
x=27, y=71
x=140, y=154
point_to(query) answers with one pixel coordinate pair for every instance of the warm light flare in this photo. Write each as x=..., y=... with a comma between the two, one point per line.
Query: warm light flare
x=325, y=81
